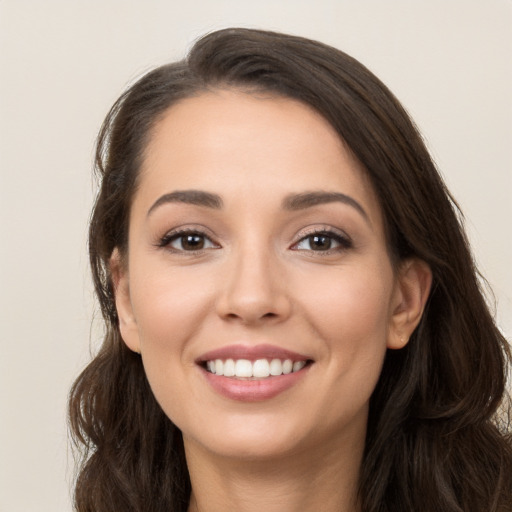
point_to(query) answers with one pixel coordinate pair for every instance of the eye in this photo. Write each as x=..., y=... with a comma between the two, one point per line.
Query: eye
x=322, y=242
x=187, y=241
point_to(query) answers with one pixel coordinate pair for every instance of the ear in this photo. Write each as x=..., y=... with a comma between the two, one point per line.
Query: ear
x=412, y=289
x=127, y=323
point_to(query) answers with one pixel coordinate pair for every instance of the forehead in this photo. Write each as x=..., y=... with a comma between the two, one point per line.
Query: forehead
x=234, y=143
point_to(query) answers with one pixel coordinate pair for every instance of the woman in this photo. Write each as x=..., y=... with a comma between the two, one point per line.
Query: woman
x=293, y=317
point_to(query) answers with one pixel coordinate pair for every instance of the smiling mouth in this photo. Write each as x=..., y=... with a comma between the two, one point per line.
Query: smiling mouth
x=244, y=369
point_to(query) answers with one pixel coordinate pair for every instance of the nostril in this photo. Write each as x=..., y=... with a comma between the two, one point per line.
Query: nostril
x=264, y=306
x=234, y=316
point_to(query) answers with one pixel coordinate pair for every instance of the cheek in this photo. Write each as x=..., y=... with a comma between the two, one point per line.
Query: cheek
x=350, y=314
x=350, y=305
x=167, y=305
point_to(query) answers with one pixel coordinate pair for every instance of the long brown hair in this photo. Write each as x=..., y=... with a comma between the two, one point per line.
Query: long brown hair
x=435, y=441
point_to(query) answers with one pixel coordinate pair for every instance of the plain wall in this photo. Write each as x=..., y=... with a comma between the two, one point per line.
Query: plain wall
x=62, y=64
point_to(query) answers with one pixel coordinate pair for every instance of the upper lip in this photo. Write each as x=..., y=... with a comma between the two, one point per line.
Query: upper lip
x=252, y=353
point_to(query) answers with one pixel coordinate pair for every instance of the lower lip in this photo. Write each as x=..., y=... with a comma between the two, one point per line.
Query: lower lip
x=254, y=390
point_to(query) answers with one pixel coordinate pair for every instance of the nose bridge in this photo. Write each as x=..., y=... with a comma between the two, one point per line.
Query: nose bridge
x=253, y=288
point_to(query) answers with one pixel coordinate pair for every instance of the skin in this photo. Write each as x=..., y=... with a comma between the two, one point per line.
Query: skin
x=260, y=279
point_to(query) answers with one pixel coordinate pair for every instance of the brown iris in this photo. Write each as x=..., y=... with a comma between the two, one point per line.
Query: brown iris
x=320, y=242
x=192, y=242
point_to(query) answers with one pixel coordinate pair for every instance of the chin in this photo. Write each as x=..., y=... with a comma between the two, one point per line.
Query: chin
x=248, y=438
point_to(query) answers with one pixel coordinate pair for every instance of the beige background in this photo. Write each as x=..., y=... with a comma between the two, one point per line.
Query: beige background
x=62, y=63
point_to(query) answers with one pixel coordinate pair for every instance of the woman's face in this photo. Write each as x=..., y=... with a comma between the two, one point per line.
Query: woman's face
x=257, y=247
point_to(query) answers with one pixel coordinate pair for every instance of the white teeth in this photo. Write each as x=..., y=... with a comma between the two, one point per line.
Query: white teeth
x=259, y=369
x=287, y=366
x=276, y=367
x=229, y=368
x=243, y=368
x=298, y=365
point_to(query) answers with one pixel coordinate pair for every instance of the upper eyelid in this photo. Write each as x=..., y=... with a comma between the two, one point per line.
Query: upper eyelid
x=305, y=232
x=190, y=228
x=174, y=233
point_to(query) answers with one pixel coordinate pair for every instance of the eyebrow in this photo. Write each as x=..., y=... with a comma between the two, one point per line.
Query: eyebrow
x=310, y=199
x=292, y=202
x=195, y=197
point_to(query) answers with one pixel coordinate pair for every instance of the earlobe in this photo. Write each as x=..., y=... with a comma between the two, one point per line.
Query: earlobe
x=127, y=324
x=414, y=281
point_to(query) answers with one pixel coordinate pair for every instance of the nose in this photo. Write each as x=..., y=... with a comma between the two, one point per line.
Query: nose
x=253, y=289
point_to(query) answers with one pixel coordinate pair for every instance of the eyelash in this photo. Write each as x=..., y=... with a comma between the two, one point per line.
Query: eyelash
x=343, y=241
x=169, y=238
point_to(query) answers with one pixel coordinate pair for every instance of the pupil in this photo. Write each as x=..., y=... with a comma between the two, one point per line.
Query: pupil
x=320, y=242
x=193, y=242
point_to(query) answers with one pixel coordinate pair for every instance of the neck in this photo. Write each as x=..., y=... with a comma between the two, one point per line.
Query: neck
x=319, y=479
